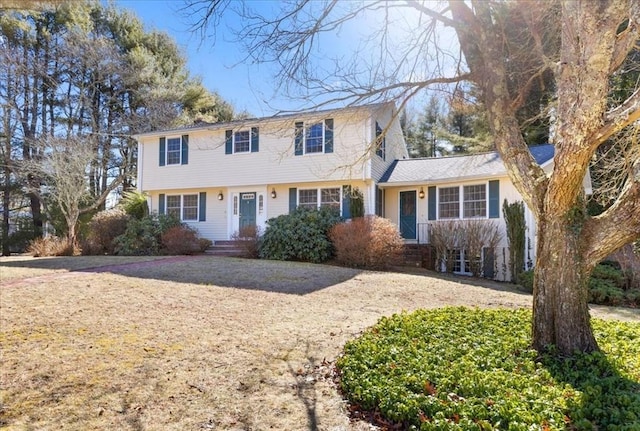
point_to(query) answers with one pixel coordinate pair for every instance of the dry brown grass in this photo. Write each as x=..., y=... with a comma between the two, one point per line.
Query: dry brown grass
x=197, y=343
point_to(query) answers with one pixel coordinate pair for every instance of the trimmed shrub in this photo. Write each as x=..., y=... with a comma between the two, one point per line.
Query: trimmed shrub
x=104, y=228
x=301, y=235
x=51, y=246
x=516, y=231
x=180, y=240
x=248, y=240
x=470, y=369
x=141, y=238
x=367, y=242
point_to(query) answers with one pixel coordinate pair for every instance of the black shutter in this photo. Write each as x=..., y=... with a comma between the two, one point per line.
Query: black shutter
x=255, y=140
x=163, y=150
x=228, y=143
x=494, y=199
x=328, y=135
x=185, y=149
x=202, y=210
x=431, y=198
x=293, y=199
x=299, y=138
x=161, y=203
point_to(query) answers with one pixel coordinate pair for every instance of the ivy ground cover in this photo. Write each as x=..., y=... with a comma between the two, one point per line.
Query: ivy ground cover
x=471, y=369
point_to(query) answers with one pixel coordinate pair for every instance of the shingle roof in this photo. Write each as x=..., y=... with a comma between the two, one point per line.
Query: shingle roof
x=427, y=170
x=203, y=125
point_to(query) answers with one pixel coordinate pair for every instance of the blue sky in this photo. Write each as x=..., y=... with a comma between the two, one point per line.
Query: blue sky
x=245, y=86
x=248, y=87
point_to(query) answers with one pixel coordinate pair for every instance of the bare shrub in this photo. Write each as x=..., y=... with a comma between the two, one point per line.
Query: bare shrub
x=477, y=235
x=367, y=242
x=103, y=228
x=180, y=240
x=445, y=236
x=248, y=241
x=51, y=246
x=448, y=237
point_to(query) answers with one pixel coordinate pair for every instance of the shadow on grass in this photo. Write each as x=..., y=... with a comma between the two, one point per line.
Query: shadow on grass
x=296, y=278
x=608, y=398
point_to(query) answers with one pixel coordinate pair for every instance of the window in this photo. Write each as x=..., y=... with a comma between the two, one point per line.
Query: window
x=449, y=202
x=475, y=201
x=184, y=207
x=380, y=142
x=330, y=198
x=173, y=206
x=308, y=199
x=242, y=142
x=314, y=138
x=316, y=198
x=462, y=261
x=174, y=150
x=190, y=207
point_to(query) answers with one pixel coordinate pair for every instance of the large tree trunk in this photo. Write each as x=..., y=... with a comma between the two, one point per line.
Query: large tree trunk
x=560, y=295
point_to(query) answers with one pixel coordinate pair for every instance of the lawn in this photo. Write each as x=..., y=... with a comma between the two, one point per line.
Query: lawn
x=197, y=342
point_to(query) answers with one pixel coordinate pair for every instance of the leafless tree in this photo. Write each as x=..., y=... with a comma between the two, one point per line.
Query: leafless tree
x=581, y=44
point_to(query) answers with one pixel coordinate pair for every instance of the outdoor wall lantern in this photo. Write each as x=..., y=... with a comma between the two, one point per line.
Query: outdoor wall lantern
x=220, y=196
x=421, y=193
x=273, y=193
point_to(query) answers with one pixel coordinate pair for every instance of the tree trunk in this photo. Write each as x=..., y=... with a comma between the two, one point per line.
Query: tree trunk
x=560, y=293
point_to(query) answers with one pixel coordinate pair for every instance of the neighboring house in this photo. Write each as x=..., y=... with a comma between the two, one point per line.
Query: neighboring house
x=220, y=177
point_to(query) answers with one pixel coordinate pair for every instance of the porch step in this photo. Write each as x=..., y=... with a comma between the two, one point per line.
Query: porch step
x=225, y=248
x=418, y=255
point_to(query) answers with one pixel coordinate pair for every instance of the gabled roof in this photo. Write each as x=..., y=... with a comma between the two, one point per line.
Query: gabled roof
x=203, y=125
x=443, y=169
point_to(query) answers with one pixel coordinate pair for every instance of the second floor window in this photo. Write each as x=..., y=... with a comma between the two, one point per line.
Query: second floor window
x=242, y=142
x=314, y=138
x=174, y=150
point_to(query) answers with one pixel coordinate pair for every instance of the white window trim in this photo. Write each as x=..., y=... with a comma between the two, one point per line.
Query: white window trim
x=319, y=196
x=461, y=202
x=166, y=151
x=307, y=126
x=233, y=142
x=197, y=195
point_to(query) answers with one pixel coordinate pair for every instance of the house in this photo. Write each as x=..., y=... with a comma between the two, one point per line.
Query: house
x=421, y=193
x=220, y=177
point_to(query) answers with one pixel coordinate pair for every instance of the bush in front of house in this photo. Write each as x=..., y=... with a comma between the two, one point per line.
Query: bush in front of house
x=143, y=237
x=302, y=235
x=471, y=369
x=180, y=240
x=367, y=242
x=248, y=240
x=103, y=228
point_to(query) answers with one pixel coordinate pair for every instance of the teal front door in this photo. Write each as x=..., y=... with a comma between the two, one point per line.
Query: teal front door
x=408, y=215
x=247, y=209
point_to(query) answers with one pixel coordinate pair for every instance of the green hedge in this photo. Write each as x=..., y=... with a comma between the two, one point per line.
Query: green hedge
x=302, y=235
x=464, y=369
